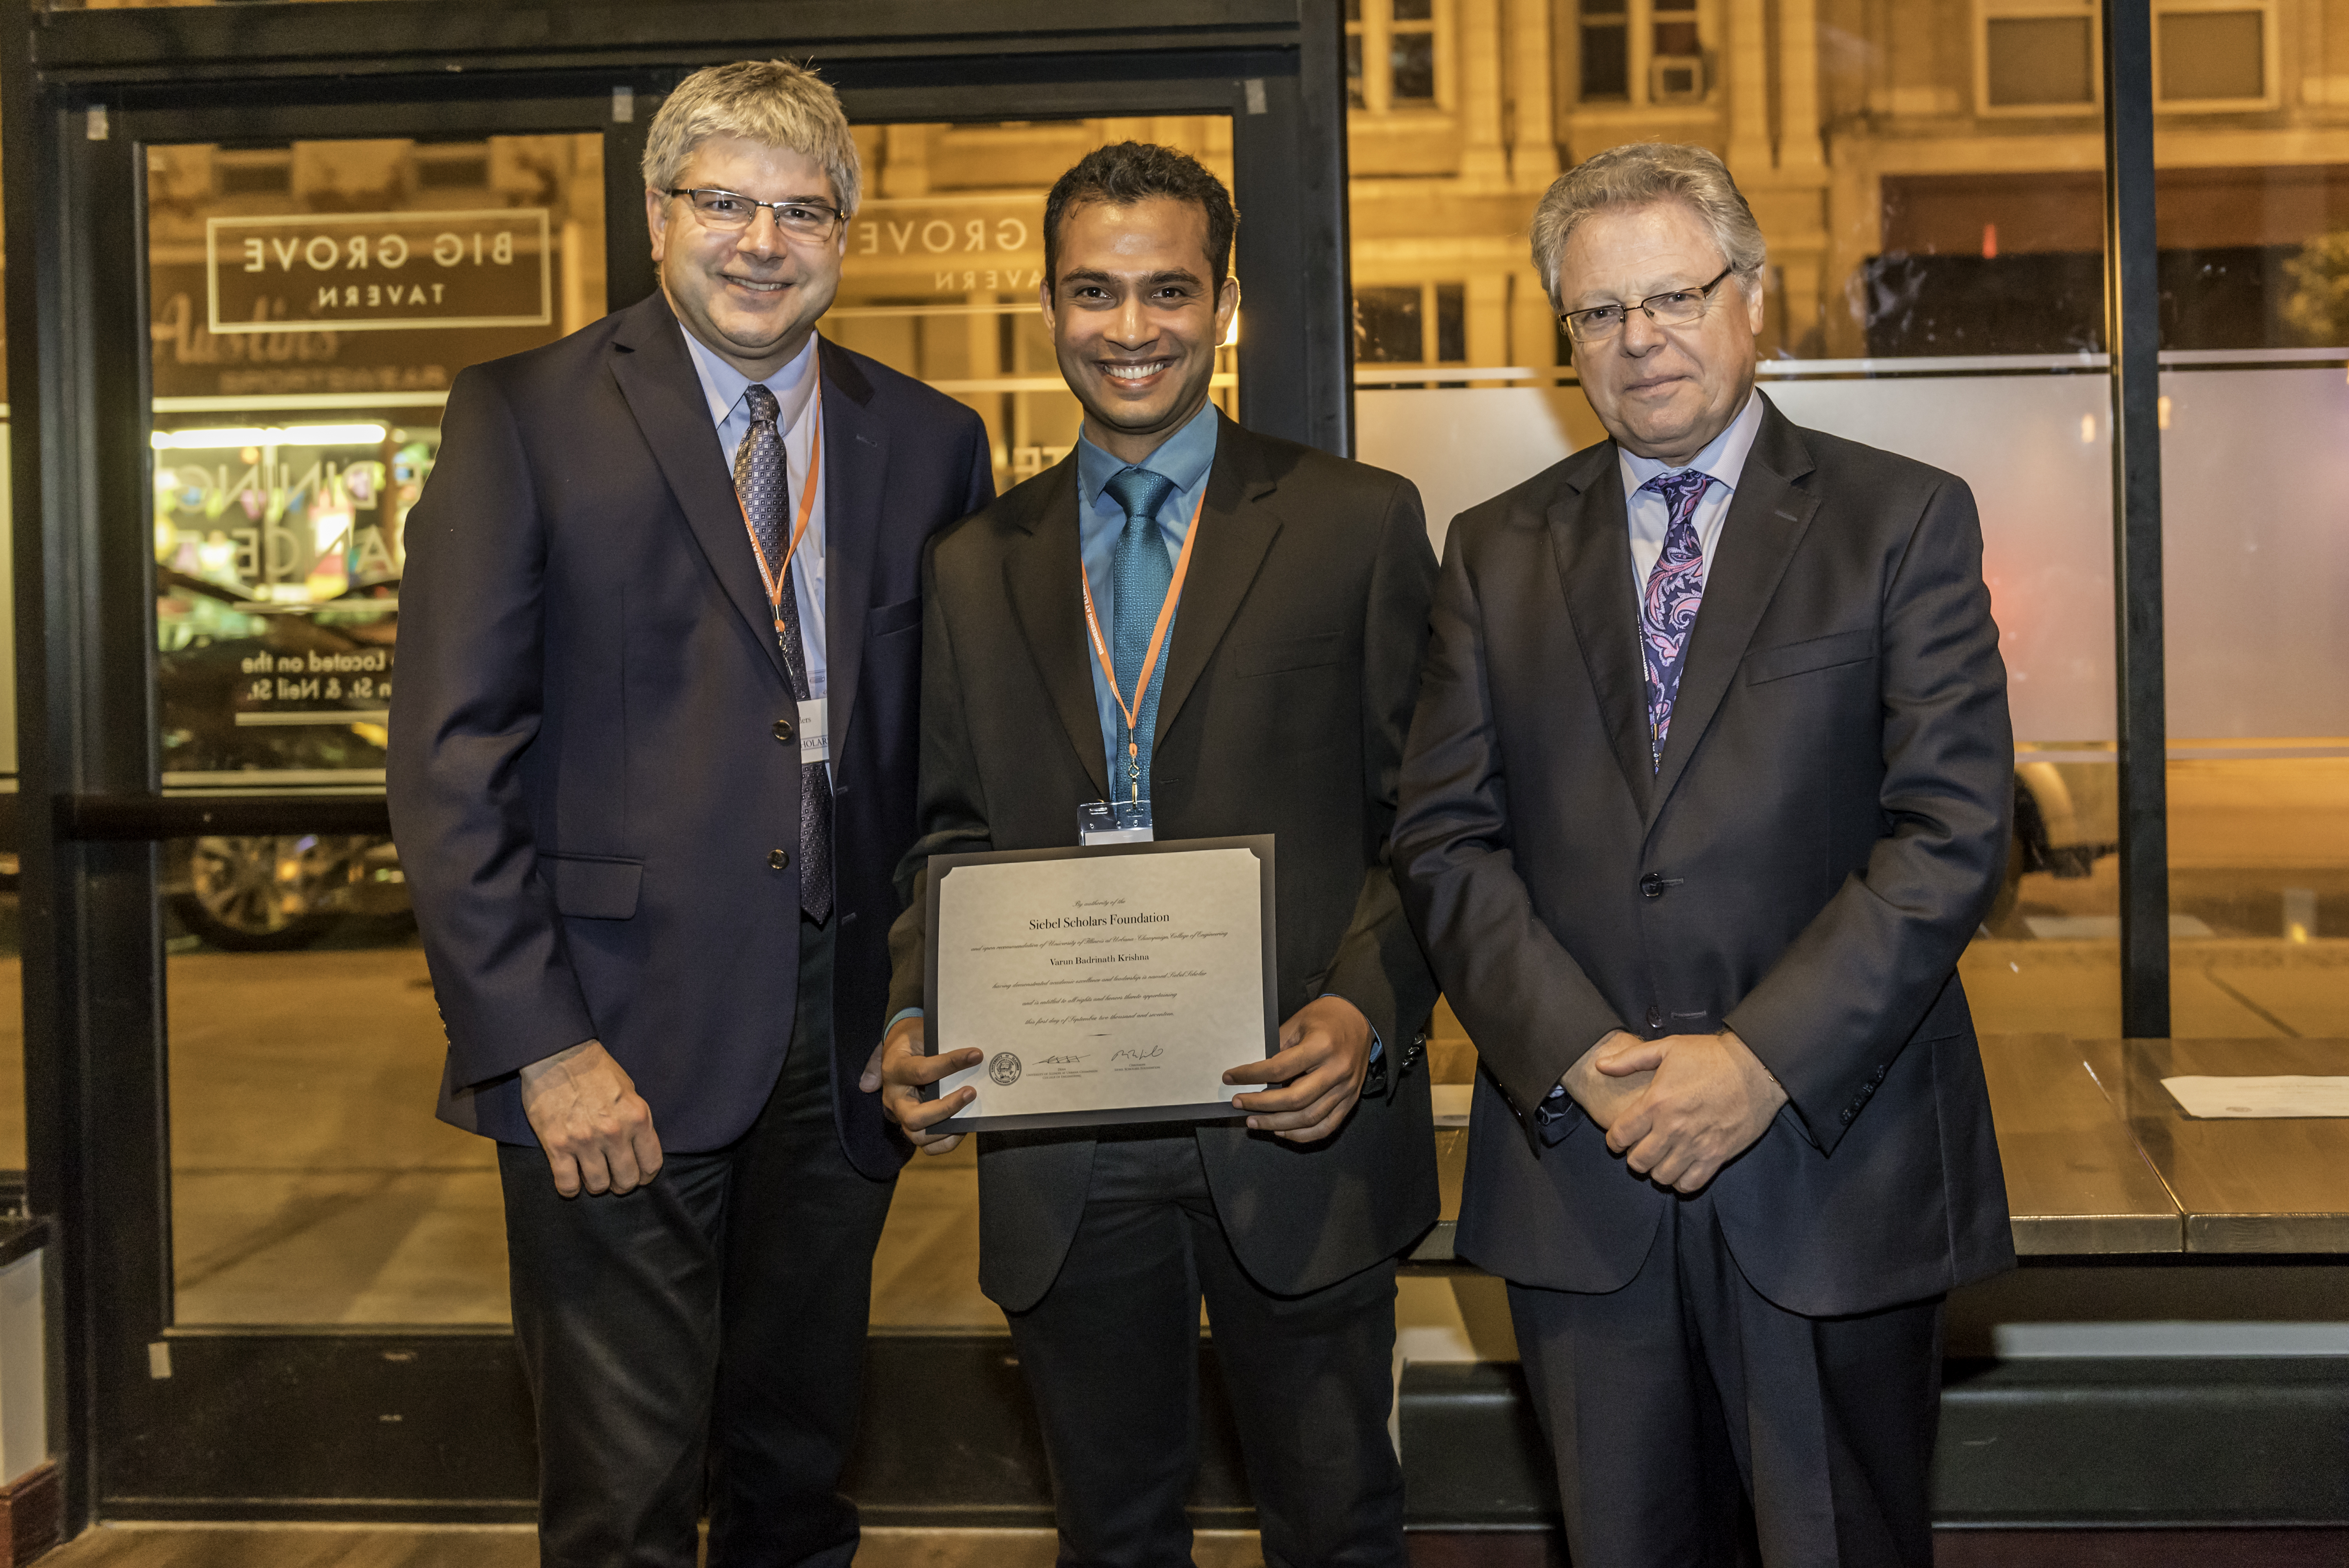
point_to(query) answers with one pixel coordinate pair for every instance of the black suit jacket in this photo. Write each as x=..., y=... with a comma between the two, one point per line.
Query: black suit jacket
x=1821, y=841
x=586, y=780
x=1289, y=677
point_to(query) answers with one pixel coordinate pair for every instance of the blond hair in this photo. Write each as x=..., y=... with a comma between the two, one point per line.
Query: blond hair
x=773, y=102
x=1634, y=175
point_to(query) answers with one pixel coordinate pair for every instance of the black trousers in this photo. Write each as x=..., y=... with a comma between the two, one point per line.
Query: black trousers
x=1111, y=1358
x=1694, y=1423
x=712, y=1320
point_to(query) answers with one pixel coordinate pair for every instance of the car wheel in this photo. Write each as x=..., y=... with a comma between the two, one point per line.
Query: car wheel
x=259, y=894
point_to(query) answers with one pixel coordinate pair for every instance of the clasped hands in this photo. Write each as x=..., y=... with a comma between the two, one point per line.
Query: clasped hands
x=1324, y=1055
x=1678, y=1109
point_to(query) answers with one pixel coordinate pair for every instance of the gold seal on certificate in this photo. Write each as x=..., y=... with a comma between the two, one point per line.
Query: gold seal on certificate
x=1114, y=983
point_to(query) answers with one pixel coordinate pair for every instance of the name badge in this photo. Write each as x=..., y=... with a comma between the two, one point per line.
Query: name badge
x=1128, y=822
x=815, y=737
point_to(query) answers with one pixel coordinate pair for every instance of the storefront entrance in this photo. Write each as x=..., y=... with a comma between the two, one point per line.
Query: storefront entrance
x=252, y=247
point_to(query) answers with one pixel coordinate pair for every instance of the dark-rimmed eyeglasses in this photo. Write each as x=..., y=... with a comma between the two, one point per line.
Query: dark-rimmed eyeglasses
x=1674, y=307
x=727, y=210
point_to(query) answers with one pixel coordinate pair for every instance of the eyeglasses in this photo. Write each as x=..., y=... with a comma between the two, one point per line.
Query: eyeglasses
x=1676, y=307
x=728, y=211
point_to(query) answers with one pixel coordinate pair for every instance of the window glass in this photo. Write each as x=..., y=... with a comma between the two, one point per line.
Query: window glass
x=2212, y=55
x=311, y=303
x=2037, y=61
x=2255, y=328
x=1936, y=288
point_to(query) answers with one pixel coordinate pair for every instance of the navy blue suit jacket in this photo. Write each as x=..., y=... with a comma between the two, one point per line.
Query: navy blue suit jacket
x=586, y=779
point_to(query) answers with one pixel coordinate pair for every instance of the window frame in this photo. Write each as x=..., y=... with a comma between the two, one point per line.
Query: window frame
x=1989, y=11
x=1377, y=30
x=1641, y=97
x=2271, y=58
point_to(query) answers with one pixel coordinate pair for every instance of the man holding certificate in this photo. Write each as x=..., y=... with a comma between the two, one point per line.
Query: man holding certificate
x=1182, y=632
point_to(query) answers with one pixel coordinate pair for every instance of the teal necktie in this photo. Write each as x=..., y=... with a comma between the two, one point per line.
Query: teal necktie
x=1139, y=576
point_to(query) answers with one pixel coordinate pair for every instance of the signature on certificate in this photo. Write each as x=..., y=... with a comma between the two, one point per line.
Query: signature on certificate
x=1136, y=1053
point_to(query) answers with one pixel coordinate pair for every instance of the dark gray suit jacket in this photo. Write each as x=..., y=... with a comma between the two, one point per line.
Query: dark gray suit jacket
x=1289, y=679
x=1823, y=838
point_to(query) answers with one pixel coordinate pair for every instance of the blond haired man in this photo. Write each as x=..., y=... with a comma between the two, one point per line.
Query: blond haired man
x=652, y=767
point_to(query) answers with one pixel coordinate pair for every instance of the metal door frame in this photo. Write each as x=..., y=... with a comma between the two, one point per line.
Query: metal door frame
x=299, y=1422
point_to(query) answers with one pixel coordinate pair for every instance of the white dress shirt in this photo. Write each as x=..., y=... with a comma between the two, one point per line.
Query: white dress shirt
x=1724, y=458
x=794, y=387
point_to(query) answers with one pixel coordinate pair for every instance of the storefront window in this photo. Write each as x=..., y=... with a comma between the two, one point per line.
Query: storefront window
x=2255, y=461
x=311, y=303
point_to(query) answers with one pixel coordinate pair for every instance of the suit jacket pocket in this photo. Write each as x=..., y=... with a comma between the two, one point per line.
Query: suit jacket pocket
x=884, y=619
x=1275, y=654
x=1814, y=654
x=593, y=887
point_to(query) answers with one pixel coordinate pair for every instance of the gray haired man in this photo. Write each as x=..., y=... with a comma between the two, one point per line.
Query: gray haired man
x=652, y=767
x=1707, y=789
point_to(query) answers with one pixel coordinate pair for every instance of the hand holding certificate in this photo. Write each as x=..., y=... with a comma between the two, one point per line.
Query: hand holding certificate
x=1100, y=986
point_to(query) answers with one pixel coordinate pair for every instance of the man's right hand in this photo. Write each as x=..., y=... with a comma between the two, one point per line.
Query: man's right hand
x=905, y=1071
x=1601, y=1097
x=596, y=1129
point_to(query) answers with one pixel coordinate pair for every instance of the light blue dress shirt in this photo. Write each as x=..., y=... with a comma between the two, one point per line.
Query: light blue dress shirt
x=1185, y=456
x=794, y=388
x=1724, y=458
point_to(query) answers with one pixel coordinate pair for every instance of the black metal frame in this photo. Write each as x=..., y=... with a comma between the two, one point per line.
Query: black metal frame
x=81, y=92
x=2133, y=340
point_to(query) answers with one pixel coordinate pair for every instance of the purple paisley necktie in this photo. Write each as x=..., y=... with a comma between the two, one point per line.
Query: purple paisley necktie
x=1667, y=608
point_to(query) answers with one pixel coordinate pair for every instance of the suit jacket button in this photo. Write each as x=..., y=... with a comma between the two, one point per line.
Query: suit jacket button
x=783, y=730
x=1652, y=885
x=1655, y=1017
x=777, y=859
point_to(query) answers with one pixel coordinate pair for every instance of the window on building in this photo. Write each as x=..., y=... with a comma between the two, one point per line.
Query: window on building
x=2037, y=57
x=1639, y=51
x=1354, y=95
x=1411, y=324
x=1411, y=52
x=1676, y=65
x=2211, y=56
x=1605, y=50
x=1396, y=54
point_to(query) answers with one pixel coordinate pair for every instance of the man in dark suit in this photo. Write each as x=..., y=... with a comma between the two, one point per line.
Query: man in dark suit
x=1707, y=790
x=1278, y=707
x=651, y=772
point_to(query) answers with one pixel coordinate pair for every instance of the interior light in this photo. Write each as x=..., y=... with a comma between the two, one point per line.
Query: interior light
x=1233, y=334
x=221, y=436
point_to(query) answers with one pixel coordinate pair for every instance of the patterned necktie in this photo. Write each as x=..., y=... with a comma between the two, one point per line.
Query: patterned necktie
x=764, y=482
x=1668, y=609
x=1139, y=577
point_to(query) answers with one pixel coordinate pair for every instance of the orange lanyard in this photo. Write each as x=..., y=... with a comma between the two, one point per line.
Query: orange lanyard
x=778, y=578
x=1132, y=711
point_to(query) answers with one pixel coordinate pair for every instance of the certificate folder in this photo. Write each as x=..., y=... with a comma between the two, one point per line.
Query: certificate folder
x=1114, y=983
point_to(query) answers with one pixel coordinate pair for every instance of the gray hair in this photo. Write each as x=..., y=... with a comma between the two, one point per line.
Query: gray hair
x=1634, y=175
x=773, y=102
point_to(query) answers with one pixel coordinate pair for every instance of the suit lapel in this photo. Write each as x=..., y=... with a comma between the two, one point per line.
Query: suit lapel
x=1767, y=518
x=1589, y=531
x=1235, y=533
x=1040, y=578
x=656, y=378
x=855, y=474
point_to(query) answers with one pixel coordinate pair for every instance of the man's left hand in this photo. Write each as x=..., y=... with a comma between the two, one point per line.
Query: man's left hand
x=1710, y=1101
x=1324, y=1051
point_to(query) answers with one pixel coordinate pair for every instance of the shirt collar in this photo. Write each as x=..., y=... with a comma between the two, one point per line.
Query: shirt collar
x=1183, y=457
x=1724, y=457
x=722, y=385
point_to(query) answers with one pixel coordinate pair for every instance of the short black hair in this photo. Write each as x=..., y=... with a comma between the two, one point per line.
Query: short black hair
x=1127, y=171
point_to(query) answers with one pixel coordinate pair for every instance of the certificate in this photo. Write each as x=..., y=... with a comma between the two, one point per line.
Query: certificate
x=1114, y=984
